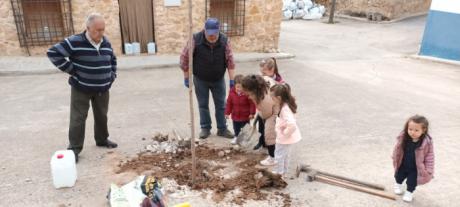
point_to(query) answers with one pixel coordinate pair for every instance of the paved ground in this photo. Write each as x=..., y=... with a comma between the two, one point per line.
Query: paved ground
x=355, y=88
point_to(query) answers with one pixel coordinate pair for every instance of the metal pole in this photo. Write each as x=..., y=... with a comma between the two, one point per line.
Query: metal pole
x=190, y=89
x=331, y=14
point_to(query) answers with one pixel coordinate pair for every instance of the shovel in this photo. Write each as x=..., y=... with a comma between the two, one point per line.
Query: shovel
x=245, y=138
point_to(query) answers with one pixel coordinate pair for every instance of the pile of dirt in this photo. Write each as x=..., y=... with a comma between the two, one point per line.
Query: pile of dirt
x=219, y=170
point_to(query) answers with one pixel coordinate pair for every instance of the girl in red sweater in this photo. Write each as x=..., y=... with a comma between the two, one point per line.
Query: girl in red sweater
x=239, y=106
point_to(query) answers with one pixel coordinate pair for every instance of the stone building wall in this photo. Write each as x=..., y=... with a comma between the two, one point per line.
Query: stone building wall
x=261, y=30
x=171, y=25
x=389, y=9
x=262, y=27
x=9, y=42
x=109, y=9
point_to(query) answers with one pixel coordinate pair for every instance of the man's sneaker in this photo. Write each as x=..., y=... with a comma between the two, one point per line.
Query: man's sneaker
x=407, y=196
x=397, y=188
x=108, y=144
x=205, y=133
x=268, y=161
x=234, y=140
x=224, y=133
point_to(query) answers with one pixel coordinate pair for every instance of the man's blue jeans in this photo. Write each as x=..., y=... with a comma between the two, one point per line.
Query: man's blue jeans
x=218, y=92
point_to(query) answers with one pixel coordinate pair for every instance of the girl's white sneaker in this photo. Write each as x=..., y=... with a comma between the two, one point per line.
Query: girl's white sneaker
x=268, y=161
x=397, y=188
x=234, y=141
x=407, y=196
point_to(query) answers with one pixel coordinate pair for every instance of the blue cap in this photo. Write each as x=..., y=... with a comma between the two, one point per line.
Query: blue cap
x=211, y=26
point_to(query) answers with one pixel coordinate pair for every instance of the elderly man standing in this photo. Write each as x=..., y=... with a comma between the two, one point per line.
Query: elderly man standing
x=212, y=56
x=89, y=60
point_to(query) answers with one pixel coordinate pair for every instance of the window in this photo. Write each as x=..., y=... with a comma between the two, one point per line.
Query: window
x=42, y=22
x=230, y=14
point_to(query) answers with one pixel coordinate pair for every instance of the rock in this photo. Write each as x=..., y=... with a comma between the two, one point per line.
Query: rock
x=227, y=151
x=258, y=176
x=28, y=180
x=221, y=154
x=143, y=138
x=149, y=148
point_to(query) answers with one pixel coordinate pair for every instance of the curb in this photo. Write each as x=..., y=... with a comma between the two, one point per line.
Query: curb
x=434, y=59
x=143, y=67
x=281, y=56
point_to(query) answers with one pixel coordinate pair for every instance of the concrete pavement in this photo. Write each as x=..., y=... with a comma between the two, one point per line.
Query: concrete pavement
x=354, y=84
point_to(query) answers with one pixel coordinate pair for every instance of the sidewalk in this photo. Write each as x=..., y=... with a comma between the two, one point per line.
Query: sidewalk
x=18, y=65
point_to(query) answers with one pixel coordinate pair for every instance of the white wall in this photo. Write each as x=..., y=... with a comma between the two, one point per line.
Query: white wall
x=451, y=6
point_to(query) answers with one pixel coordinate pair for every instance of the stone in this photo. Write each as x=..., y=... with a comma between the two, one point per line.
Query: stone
x=221, y=153
x=253, y=10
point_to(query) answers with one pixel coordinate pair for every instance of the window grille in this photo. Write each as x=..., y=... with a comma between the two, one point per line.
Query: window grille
x=231, y=15
x=42, y=22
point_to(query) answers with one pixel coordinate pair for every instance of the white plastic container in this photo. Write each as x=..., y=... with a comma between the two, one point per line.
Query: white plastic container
x=63, y=169
x=128, y=49
x=136, y=48
x=151, y=48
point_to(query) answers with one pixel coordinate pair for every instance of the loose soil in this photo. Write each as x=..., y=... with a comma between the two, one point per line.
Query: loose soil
x=219, y=170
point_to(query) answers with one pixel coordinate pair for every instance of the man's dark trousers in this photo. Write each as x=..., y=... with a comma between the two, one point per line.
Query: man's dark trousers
x=79, y=106
x=218, y=92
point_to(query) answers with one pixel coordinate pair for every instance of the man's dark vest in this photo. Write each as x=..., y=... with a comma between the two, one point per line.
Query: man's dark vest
x=209, y=62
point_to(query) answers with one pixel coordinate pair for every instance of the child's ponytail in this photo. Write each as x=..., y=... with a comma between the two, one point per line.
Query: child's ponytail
x=270, y=63
x=284, y=92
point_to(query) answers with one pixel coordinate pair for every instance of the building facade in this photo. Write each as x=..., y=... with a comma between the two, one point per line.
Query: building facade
x=441, y=36
x=29, y=27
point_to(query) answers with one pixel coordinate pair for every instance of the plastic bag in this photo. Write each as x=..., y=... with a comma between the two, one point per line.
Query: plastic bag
x=117, y=197
x=286, y=4
x=300, y=5
x=322, y=9
x=292, y=6
x=308, y=4
x=299, y=14
x=287, y=14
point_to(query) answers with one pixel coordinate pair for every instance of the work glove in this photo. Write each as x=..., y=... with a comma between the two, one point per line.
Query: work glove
x=232, y=83
x=186, y=82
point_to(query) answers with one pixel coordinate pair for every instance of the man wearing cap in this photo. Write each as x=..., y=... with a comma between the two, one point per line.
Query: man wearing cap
x=212, y=57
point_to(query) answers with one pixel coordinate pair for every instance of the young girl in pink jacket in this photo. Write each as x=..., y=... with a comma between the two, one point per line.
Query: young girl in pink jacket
x=413, y=156
x=287, y=132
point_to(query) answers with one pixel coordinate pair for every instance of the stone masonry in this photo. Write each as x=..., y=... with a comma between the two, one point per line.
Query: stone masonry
x=9, y=42
x=387, y=9
x=171, y=25
x=261, y=31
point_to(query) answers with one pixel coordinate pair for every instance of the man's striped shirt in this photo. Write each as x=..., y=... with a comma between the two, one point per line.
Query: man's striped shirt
x=91, y=70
